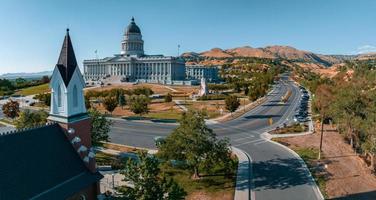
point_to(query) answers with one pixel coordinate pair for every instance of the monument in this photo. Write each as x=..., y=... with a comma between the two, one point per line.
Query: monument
x=203, y=88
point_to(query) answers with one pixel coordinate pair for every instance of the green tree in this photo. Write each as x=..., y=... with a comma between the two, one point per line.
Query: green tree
x=143, y=90
x=168, y=98
x=232, y=103
x=148, y=182
x=29, y=119
x=11, y=109
x=138, y=104
x=192, y=141
x=121, y=101
x=45, y=98
x=322, y=103
x=110, y=103
x=100, y=127
x=87, y=102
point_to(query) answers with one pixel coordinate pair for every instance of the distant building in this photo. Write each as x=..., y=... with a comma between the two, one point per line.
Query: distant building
x=133, y=65
x=55, y=161
x=197, y=72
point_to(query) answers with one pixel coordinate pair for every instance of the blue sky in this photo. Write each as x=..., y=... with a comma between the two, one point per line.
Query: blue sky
x=31, y=32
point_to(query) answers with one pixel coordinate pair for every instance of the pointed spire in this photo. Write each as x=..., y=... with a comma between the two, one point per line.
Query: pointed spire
x=67, y=62
x=132, y=19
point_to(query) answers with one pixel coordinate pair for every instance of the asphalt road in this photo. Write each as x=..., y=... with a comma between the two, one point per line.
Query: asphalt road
x=276, y=172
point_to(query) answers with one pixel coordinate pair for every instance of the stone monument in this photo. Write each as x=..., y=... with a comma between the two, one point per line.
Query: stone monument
x=203, y=88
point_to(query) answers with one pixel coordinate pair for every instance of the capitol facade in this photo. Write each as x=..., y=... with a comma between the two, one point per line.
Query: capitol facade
x=133, y=65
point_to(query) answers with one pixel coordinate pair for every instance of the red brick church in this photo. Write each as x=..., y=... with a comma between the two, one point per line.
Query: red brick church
x=55, y=161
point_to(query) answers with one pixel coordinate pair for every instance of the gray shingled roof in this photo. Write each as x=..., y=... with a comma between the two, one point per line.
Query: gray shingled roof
x=67, y=62
x=41, y=163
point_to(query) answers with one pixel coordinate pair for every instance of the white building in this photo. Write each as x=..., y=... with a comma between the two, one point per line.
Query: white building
x=198, y=72
x=133, y=65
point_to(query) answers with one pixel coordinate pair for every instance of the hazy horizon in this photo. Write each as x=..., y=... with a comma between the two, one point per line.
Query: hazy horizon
x=32, y=32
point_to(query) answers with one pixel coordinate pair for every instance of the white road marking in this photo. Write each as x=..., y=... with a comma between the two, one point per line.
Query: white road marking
x=249, y=142
x=248, y=137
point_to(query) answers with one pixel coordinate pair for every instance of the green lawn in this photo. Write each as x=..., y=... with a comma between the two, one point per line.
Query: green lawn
x=164, y=115
x=208, y=184
x=211, y=184
x=34, y=90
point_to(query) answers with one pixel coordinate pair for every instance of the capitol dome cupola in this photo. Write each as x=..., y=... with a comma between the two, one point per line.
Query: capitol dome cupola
x=132, y=28
x=132, y=44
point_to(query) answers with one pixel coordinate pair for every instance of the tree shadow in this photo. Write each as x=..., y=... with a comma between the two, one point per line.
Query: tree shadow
x=279, y=174
x=261, y=116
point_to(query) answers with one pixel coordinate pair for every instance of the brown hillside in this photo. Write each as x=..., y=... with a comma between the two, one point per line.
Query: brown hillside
x=248, y=51
x=216, y=53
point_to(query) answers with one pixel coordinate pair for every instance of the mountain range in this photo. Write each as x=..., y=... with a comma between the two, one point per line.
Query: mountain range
x=278, y=52
x=26, y=75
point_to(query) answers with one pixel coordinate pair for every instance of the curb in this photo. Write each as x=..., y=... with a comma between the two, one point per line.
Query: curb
x=7, y=124
x=245, y=168
x=317, y=191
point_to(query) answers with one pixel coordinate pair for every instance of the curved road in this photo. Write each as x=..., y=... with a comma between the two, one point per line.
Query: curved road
x=276, y=172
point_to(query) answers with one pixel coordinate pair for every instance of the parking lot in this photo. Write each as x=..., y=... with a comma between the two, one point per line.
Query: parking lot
x=301, y=112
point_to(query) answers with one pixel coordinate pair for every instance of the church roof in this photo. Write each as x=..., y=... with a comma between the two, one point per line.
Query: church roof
x=67, y=62
x=133, y=28
x=41, y=163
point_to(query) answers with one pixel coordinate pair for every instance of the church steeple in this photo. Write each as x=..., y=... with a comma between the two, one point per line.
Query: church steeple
x=67, y=62
x=67, y=85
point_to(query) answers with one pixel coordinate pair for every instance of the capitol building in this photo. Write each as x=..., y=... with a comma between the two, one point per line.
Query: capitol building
x=133, y=65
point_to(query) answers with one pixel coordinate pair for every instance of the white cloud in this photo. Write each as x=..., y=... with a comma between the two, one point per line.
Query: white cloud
x=365, y=49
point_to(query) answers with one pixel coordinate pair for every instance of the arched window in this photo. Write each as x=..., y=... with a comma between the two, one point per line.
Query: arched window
x=75, y=96
x=59, y=96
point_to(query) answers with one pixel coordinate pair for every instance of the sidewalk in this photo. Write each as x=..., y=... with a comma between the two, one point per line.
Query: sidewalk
x=243, y=188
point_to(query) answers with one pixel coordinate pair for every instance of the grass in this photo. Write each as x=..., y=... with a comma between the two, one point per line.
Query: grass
x=209, y=184
x=296, y=128
x=164, y=115
x=34, y=90
x=107, y=159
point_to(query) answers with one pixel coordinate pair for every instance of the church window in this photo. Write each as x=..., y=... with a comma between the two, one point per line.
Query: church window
x=59, y=96
x=75, y=96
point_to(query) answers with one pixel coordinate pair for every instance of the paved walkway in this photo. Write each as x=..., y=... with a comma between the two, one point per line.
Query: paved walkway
x=243, y=188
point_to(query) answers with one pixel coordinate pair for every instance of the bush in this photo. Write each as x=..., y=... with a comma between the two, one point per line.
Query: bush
x=212, y=97
x=168, y=98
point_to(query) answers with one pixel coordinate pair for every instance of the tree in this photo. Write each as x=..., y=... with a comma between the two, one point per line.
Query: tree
x=110, y=103
x=322, y=103
x=45, y=79
x=87, y=102
x=148, y=182
x=45, y=98
x=143, y=90
x=232, y=103
x=192, y=141
x=100, y=127
x=168, y=98
x=29, y=119
x=11, y=109
x=138, y=104
x=121, y=101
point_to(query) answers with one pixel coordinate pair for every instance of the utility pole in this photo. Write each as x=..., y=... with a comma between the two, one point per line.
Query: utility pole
x=321, y=136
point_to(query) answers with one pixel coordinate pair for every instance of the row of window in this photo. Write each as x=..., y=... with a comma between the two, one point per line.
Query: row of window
x=60, y=100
